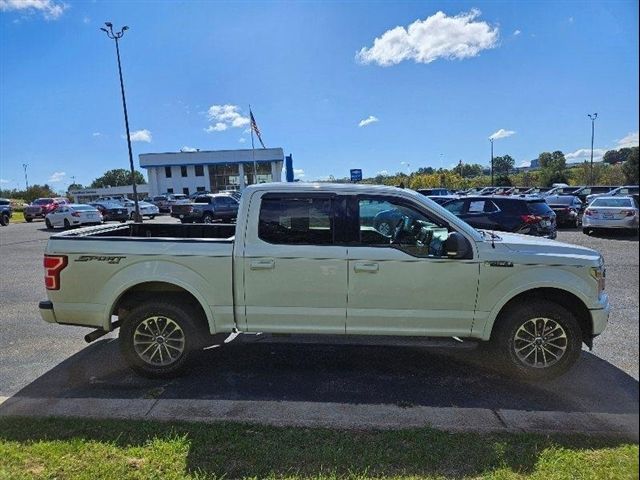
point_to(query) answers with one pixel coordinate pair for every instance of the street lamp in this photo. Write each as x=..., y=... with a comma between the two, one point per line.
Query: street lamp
x=117, y=36
x=26, y=179
x=491, y=140
x=593, y=126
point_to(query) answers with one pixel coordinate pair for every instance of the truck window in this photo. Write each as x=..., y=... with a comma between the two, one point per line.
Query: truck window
x=296, y=221
x=398, y=225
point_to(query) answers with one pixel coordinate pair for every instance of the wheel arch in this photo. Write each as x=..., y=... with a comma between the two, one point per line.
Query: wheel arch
x=562, y=297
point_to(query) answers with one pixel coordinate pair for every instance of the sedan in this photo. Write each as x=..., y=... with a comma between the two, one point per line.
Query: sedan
x=73, y=215
x=111, y=211
x=611, y=212
x=146, y=209
x=568, y=209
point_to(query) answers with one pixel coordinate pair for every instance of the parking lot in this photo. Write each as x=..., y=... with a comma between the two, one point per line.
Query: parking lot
x=53, y=361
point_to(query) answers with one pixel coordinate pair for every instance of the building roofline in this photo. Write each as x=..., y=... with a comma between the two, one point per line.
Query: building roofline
x=212, y=151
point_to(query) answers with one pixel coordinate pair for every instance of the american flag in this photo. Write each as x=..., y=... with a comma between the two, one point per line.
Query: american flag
x=254, y=128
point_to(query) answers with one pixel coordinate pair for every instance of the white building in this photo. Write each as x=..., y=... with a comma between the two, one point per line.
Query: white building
x=213, y=171
x=89, y=194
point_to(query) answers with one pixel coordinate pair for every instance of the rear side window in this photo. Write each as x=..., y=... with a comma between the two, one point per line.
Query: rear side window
x=296, y=221
x=202, y=200
x=513, y=206
x=539, y=208
x=456, y=207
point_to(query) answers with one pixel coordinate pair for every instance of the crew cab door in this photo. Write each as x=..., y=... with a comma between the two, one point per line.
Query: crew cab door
x=295, y=274
x=400, y=280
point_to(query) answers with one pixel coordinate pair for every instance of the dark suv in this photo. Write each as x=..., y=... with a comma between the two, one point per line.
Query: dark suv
x=530, y=216
x=207, y=209
x=5, y=211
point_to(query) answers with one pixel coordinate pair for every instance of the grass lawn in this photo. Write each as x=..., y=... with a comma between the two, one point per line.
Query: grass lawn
x=91, y=449
x=17, y=217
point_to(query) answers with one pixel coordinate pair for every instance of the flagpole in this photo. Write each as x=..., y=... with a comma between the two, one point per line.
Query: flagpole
x=253, y=150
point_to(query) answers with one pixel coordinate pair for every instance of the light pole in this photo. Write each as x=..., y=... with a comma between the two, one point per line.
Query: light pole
x=593, y=127
x=117, y=36
x=26, y=179
x=491, y=140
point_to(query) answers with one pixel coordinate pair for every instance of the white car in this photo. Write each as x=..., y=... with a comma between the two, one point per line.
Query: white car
x=146, y=209
x=611, y=212
x=73, y=214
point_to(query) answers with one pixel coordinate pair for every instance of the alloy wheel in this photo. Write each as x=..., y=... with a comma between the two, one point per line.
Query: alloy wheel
x=540, y=342
x=159, y=341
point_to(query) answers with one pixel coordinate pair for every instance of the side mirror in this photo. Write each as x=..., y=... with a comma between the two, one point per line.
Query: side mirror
x=457, y=246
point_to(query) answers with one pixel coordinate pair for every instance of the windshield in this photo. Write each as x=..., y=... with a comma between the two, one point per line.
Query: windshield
x=83, y=208
x=612, y=202
x=43, y=201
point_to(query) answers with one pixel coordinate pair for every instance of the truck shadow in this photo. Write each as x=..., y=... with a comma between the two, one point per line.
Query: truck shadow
x=356, y=374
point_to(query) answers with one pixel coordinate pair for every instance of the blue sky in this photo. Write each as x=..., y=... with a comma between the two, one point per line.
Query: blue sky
x=428, y=94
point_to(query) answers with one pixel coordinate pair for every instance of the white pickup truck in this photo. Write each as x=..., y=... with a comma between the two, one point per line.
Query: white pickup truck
x=327, y=259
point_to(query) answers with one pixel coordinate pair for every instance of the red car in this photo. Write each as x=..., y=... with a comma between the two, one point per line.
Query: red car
x=41, y=206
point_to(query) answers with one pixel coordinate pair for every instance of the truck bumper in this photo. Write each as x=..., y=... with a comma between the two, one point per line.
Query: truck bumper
x=46, y=311
x=600, y=316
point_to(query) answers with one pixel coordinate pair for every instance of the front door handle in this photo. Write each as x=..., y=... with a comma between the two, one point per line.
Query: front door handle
x=367, y=267
x=263, y=264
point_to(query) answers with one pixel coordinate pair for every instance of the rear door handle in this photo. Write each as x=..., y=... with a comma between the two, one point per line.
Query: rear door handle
x=263, y=264
x=366, y=267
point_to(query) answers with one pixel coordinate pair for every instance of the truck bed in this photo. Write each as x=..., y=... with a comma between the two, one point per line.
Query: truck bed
x=165, y=231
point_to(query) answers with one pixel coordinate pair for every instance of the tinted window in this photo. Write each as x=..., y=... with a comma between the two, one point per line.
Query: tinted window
x=202, y=199
x=612, y=202
x=157, y=199
x=185, y=190
x=183, y=171
x=296, y=221
x=560, y=200
x=539, y=208
x=167, y=172
x=43, y=201
x=513, y=206
x=600, y=189
x=199, y=171
x=455, y=206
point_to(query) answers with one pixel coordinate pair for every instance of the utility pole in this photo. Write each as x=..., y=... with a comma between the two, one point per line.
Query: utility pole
x=492, y=182
x=26, y=179
x=116, y=37
x=593, y=127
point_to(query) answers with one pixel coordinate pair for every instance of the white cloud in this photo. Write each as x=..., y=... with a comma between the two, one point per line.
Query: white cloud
x=630, y=140
x=502, y=133
x=368, y=121
x=2, y=180
x=141, y=136
x=225, y=116
x=50, y=9
x=437, y=36
x=242, y=140
x=86, y=20
x=298, y=172
x=570, y=19
x=188, y=149
x=383, y=172
x=516, y=32
x=585, y=154
x=96, y=134
x=218, y=127
x=57, y=177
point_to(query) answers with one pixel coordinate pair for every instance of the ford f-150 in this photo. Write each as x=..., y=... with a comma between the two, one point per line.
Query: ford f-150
x=324, y=259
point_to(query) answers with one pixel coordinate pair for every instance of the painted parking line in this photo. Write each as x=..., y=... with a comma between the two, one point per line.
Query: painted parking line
x=328, y=415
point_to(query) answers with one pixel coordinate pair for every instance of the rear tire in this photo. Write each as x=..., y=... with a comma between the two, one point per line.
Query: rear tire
x=48, y=224
x=207, y=218
x=157, y=338
x=28, y=219
x=4, y=219
x=66, y=224
x=151, y=217
x=537, y=340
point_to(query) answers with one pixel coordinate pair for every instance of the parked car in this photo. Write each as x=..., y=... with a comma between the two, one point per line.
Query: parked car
x=165, y=202
x=583, y=192
x=6, y=212
x=561, y=190
x=434, y=192
x=149, y=210
x=207, y=209
x=487, y=191
x=111, y=211
x=442, y=199
x=526, y=215
x=73, y=215
x=611, y=212
x=620, y=191
x=40, y=207
x=568, y=209
x=541, y=191
x=298, y=261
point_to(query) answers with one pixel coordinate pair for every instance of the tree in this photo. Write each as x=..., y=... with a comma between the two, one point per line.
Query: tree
x=611, y=157
x=553, y=168
x=503, y=165
x=75, y=186
x=630, y=167
x=118, y=177
x=503, y=181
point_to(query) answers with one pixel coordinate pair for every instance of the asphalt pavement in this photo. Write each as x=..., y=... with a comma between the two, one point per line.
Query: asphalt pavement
x=40, y=360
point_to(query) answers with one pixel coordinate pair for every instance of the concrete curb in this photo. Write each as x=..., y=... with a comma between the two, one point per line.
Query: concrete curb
x=328, y=415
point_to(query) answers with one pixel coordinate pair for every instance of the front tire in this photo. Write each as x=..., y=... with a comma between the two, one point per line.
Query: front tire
x=48, y=224
x=537, y=340
x=207, y=218
x=4, y=219
x=157, y=338
x=67, y=225
x=28, y=219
